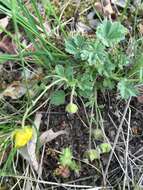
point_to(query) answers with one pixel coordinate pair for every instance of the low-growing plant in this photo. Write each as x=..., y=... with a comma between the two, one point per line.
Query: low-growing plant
x=66, y=160
x=100, y=63
x=79, y=67
x=97, y=134
x=95, y=154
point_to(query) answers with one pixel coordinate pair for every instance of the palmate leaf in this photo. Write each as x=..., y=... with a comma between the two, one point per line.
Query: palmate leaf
x=64, y=71
x=58, y=98
x=111, y=33
x=137, y=66
x=108, y=83
x=93, y=52
x=122, y=60
x=127, y=89
x=85, y=82
x=106, y=68
x=74, y=45
x=59, y=70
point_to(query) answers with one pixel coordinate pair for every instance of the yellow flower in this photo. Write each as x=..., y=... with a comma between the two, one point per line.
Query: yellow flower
x=22, y=136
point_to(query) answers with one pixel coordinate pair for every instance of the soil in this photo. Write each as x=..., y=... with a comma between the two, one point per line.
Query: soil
x=78, y=140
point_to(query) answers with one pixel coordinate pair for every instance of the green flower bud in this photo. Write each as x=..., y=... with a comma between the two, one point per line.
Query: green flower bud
x=98, y=134
x=71, y=108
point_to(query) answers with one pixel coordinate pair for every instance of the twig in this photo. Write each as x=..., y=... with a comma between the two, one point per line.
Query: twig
x=117, y=137
x=126, y=153
x=49, y=182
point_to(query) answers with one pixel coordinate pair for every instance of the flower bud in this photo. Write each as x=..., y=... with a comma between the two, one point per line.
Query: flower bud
x=71, y=108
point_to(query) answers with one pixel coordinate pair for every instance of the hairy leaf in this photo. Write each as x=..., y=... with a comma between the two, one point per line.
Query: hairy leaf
x=93, y=53
x=66, y=157
x=74, y=45
x=58, y=98
x=110, y=33
x=126, y=88
x=59, y=69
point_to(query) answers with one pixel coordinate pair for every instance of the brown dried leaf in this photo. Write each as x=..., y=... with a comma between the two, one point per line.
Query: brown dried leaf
x=47, y=26
x=136, y=130
x=98, y=6
x=3, y=23
x=140, y=96
x=140, y=28
x=120, y=3
x=105, y=9
x=140, y=99
x=29, y=152
x=15, y=90
x=49, y=135
x=82, y=28
x=108, y=10
x=7, y=45
x=31, y=147
x=63, y=171
x=4, y=154
x=30, y=47
x=32, y=76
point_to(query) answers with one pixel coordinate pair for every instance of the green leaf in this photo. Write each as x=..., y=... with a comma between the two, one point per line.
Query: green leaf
x=93, y=52
x=85, y=94
x=65, y=72
x=73, y=166
x=74, y=45
x=85, y=82
x=111, y=33
x=137, y=66
x=127, y=89
x=58, y=98
x=105, y=148
x=108, y=83
x=66, y=157
x=59, y=69
x=69, y=72
x=106, y=67
x=123, y=60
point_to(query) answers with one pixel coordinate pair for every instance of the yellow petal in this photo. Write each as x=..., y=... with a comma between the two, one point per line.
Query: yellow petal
x=22, y=136
x=28, y=132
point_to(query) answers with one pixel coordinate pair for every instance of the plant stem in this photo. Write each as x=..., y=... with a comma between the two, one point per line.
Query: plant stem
x=37, y=99
x=72, y=94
